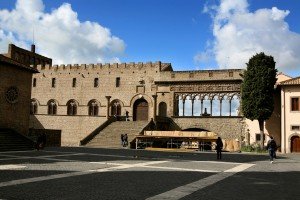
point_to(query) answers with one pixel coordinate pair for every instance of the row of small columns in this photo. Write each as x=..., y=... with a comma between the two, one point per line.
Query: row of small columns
x=211, y=102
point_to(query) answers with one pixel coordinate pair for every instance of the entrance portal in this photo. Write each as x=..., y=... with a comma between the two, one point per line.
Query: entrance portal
x=140, y=110
x=295, y=144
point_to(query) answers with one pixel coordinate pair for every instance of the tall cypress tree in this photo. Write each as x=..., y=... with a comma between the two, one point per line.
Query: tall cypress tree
x=258, y=90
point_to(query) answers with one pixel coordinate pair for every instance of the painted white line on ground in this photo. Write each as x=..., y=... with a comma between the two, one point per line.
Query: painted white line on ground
x=46, y=157
x=65, y=175
x=188, y=189
x=42, y=178
x=11, y=167
x=219, y=162
x=239, y=168
x=148, y=165
x=181, y=169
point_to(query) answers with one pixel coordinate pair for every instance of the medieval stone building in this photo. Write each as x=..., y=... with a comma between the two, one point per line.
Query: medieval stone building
x=77, y=99
x=86, y=104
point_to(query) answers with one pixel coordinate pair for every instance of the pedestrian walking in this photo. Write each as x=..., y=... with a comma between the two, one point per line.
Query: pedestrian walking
x=219, y=148
x=125, y=140
x=271, y=146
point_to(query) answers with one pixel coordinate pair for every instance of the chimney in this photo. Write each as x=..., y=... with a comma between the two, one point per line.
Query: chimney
x=33, y=48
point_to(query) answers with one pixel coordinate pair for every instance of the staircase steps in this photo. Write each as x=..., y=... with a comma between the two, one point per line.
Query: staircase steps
x=13, y=141
x=110, y=137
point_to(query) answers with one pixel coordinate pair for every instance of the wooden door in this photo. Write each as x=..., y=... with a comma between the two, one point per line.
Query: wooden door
x=140, y=112
x=295, y=144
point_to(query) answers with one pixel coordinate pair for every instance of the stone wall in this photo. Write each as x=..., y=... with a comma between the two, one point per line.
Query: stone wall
x=137, y=80
x=15, y=115
x=230, y=129
x=74, y=128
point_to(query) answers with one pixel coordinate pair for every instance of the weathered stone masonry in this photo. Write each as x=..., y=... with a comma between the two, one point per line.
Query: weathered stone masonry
x=122, y=87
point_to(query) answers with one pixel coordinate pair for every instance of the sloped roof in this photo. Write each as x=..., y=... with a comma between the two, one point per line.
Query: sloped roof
x=293, y=81
x=4, y=59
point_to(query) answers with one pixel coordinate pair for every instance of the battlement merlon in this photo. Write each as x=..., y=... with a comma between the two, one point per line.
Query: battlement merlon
x=107, y=66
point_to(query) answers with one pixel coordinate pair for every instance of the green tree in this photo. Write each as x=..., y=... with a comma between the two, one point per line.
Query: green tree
x=258, y=90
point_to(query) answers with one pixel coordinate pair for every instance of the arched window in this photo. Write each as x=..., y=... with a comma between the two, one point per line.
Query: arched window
x=52, y=107
x=93, y=108
x=235, y=106
x=33, y=107
x=116, y=108
x=72, y=107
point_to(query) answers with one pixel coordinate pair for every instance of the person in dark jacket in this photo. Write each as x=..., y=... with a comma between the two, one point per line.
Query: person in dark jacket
x=219, y=148
x=272, y=146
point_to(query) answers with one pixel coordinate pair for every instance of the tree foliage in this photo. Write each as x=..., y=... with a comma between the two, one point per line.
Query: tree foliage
x=258, y=88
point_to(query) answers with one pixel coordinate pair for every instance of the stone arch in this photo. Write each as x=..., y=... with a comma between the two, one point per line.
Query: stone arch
x=34, y=104
x=235, y=105
x=98, y=102
x=139, y=96
x=226, y=105
x=116, y=107
x=38, y=102
x=72, y=107
x=52, y=107
x=206, y=105
x=93, y=107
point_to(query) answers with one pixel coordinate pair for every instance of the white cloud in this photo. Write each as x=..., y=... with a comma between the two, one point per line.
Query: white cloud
x=239, y=34
x=59, y=34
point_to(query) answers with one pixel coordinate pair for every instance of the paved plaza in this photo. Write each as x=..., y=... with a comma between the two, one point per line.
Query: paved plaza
x=90, y=173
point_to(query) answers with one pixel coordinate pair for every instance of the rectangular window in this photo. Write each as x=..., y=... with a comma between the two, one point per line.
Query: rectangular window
x=118, y=82
x=295, y=104
x=173, y=75
x=295, y=128
x=96, y=82
x=210, y=74
x=34, y=82
x=191, y=75
x=257, y=137
x=53, y=82
x=74, y=82
x=230, y=74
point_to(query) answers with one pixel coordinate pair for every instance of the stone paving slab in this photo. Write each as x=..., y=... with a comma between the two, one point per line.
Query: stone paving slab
x=126, y=174
x=112, y=185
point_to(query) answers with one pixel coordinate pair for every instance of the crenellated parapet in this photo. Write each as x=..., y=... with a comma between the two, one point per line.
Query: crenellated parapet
x=158, y=66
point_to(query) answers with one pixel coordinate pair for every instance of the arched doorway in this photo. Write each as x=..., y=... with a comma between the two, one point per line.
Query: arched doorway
x=140, y=110
x=162, y=109
x=295, y=144
x=116, y=108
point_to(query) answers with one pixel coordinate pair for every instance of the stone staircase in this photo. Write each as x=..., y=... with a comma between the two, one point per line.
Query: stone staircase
x=13, y=141
x=110, y=137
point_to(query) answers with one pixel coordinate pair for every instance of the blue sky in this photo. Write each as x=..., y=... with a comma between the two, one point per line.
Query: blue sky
x=190, y=34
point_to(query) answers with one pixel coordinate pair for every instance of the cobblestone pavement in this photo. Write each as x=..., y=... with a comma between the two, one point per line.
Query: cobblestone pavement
x=90, y=173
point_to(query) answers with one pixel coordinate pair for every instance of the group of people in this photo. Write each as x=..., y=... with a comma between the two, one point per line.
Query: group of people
x=271, y=147
x=124, y=140
x=118, y=117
